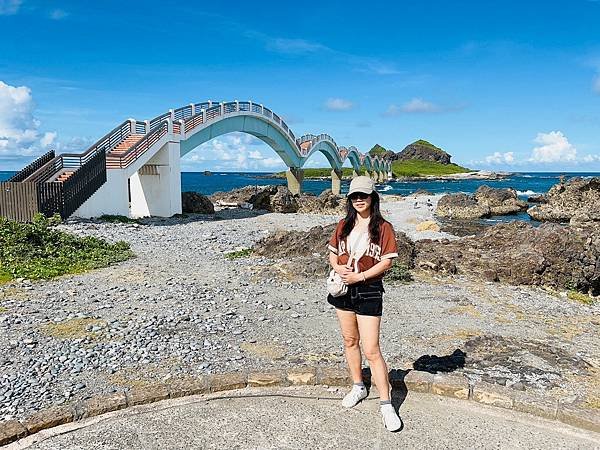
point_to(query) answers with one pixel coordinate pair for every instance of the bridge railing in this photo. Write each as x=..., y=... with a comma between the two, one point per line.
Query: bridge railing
x=137, y=150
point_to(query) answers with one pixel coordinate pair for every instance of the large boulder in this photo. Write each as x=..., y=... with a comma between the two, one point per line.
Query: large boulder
x=326, y=203
x=577, y=201
x=518, y=253
x=283, y=201
x=193, y=202
x=242, y=195
x=500, y=201
x=461, y=207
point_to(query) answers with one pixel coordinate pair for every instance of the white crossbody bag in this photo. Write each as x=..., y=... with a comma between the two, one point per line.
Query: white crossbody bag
x=335, y=285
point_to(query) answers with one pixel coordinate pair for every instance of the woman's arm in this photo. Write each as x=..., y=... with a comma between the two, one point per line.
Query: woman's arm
x=341, y=269
x=377, y=269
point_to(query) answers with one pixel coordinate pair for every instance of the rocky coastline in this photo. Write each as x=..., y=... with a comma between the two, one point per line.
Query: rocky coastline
x=241, y=288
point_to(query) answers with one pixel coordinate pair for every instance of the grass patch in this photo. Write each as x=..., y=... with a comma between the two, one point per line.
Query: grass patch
x=239, y=253
x=377, y=150
x=5, y=276
x=419, y=167
x=38, y=251
x=73, y=328
x=323, y=172
x=3, y=309
x=580, y=297
x=398, y=273
x=117, y=219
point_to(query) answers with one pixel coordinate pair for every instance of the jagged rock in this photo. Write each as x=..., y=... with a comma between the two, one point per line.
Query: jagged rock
x=518, y=253
x=461, y=207
x=193, y=202
x=241, y=195
x=500, y=201
x=305, y=253
x=326, y=203
x=577, y=200
x=541, y=198
x=283, y=201
x=422, y=192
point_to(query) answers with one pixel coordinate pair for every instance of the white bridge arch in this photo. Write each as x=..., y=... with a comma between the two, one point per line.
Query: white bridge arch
x=143, y=157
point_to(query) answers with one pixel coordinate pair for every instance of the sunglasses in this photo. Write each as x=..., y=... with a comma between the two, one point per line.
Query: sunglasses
x=358, y=196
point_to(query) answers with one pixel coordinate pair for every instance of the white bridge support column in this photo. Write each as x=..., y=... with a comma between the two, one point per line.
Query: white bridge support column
x=112, y=197
x=295, y=176
x=159, y=192
x=336, y=181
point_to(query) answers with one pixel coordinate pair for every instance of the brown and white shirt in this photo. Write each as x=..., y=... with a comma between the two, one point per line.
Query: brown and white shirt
x=386, y=248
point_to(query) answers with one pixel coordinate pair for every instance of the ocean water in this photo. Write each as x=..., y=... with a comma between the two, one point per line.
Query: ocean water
x=525, y=184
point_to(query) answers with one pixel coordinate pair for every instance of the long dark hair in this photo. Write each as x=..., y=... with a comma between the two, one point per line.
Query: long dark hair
x=376, y=218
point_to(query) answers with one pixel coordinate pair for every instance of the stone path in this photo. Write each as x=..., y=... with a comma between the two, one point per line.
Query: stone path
x=309, y=417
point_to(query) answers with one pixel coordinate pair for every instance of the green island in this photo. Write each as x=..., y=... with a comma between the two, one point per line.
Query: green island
x=39, y=251
x=419, y=159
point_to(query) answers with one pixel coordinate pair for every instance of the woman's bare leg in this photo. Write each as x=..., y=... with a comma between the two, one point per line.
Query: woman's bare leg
x=351, y=337
x=369, y=334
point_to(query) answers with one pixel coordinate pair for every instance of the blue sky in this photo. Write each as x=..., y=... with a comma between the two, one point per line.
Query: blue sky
x=499, y=85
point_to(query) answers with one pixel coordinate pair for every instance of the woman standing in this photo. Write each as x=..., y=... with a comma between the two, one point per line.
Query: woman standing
x=365, y=233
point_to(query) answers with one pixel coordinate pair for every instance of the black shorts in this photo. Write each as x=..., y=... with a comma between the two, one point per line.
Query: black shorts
x=365, y=299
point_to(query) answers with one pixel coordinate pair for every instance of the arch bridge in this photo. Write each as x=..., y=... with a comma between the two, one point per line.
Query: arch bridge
x=135, y=169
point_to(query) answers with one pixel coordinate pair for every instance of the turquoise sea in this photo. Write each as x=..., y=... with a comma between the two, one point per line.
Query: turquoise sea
x=525, y=184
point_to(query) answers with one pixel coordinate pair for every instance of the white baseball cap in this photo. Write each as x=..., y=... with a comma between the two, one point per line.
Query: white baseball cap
x=361, y=184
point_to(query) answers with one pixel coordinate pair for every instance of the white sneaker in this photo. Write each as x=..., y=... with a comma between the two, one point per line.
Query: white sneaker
x=354, y=396
x=390, y=419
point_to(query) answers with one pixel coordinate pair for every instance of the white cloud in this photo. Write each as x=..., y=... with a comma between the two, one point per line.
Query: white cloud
x=294, y=46
x=554, y=147
x=9, y=7
x=18, y=127
x=500, y=158
x=234, y=151
x=338, y=104
x=58, y=14
x=591, y=158
x=418, y=105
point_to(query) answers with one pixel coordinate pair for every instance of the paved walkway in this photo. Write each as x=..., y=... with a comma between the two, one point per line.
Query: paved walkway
x=313, y=419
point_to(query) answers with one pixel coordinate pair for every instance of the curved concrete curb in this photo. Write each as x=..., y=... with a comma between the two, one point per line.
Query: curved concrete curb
x=449, y=385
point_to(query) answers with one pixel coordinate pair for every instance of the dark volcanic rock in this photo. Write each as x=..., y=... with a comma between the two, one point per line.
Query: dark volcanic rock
x=461, y=207
x=241, y=195
x=518, y=253
x=193, y=202
x=500, y=201
x=326, y=203
x=541, y=198
x=283, y=201
x=577, y=201
x=423, y=150
x=306, y=253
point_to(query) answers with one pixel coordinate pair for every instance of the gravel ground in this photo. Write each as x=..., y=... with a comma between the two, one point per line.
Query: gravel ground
x=181, y=307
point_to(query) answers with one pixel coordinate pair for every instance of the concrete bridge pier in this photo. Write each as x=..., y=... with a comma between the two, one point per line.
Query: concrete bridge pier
x=354, y=173
x=156, y=187
x=294, y=176
x=336, y=181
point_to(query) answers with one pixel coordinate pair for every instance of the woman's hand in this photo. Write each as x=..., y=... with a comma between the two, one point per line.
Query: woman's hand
x=342, y=270
x=352, y=277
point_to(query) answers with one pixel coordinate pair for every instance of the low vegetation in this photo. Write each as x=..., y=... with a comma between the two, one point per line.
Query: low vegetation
x=117, y=219
x=377, y=150
x=39, y=251
x=580, y=297
x=320, y=173
x=78, y=328
x=420, y=167
x=398, y=273
x=239, y=253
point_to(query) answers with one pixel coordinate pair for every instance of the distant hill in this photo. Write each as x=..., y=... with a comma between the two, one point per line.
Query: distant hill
x=421, y=150
x=425, y=151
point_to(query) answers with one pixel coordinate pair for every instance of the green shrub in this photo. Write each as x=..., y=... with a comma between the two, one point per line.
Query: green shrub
x=38, y=251
x=117, y=219
x=580, y=297
x=398, y=273
x=239, y=253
